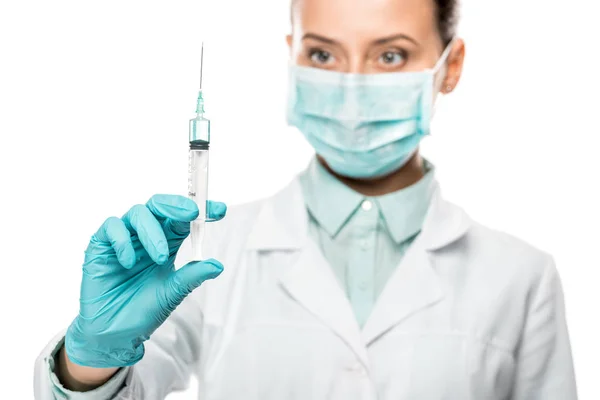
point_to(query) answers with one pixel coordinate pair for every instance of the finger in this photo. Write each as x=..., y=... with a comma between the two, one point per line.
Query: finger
x=140, y=220
x=114, y=232
x=216, y=210
x=173, y=207
x=190, y=276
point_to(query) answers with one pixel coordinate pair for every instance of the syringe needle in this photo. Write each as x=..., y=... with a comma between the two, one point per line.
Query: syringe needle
x=200, y=101
x=201, y=64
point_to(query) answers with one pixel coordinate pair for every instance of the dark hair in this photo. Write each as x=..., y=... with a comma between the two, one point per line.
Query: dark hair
x=447, y=16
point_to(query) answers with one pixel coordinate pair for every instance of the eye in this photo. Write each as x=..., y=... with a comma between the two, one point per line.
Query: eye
x=393, y=58
x=320, y=57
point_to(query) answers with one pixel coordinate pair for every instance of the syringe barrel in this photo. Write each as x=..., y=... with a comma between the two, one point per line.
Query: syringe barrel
x=199, y=136
x=198, y=192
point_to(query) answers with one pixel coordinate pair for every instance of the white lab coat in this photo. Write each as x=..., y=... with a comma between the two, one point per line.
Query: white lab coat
x=469, y=314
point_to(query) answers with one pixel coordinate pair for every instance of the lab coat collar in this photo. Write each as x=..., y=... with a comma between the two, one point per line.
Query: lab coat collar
x=282, y=222
x=444, y=223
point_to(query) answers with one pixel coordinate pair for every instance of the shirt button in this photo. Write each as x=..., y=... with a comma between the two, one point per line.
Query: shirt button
x=367, y=205
x=362, y=286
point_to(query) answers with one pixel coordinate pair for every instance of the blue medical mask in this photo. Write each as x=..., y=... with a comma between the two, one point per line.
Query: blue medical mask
x=363, y=125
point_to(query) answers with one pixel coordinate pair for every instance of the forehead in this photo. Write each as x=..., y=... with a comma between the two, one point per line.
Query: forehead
x=340, y=18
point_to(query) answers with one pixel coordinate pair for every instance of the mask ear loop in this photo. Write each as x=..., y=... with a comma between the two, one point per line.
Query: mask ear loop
x=438, y=65
x=434, y=72
x=443, y=58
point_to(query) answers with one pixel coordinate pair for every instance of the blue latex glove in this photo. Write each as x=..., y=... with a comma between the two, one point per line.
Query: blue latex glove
x=129, y=285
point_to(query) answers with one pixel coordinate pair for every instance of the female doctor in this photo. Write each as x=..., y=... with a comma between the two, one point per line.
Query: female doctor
x=356, y=281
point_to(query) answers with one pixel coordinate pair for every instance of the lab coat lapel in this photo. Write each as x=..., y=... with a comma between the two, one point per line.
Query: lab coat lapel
x=282, y=224
x=415, y=285
x=412, y=287
x=312, y=283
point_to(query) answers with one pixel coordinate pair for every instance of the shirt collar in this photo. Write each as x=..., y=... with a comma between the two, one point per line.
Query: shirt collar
x=332, y=203
x=329, y=201
x=404, y=210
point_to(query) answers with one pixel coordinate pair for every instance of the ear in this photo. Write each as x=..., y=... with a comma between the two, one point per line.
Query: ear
x=456, y=60
x=289, y=39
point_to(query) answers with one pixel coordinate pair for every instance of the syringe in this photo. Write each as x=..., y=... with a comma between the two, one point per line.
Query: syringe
x=199, y=136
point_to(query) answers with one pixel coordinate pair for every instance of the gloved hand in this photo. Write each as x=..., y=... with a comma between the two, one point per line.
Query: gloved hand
x=129, y=285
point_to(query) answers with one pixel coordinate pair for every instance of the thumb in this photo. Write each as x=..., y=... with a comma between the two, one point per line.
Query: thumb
x=190, y=276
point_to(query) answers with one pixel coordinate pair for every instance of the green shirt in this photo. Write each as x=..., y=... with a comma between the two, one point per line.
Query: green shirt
x=363, y=238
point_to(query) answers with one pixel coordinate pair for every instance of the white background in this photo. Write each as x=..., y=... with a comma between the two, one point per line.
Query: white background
x=94, y=103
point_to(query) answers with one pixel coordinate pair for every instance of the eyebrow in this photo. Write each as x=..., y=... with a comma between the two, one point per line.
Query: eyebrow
x=319, y=38
x=376, y=42
x=394, y=37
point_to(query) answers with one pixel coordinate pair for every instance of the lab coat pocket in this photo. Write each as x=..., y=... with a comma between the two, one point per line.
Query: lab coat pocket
x=491, y=367
x=441, y=366
x=275, y=360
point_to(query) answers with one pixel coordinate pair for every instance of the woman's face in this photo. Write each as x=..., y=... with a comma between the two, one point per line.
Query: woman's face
x=370, y=36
